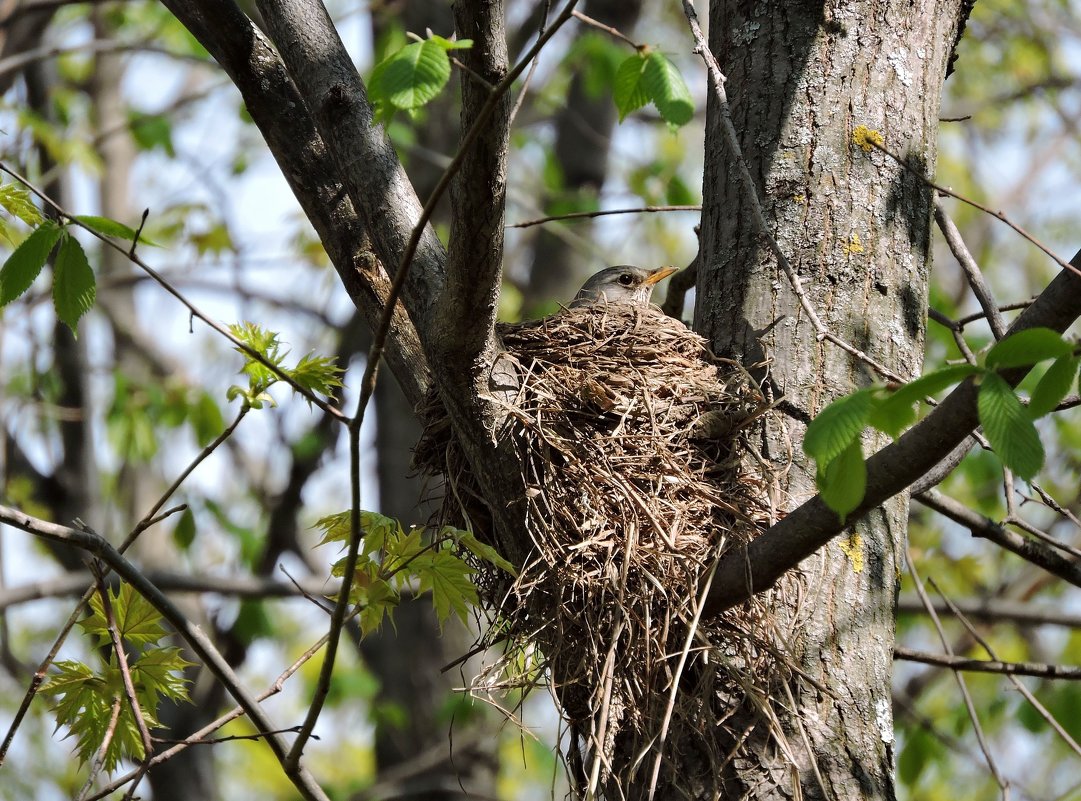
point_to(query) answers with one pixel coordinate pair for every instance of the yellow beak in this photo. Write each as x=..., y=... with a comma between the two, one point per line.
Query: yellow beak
x=659, y=275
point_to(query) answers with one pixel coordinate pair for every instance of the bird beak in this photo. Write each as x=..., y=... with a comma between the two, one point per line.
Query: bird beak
x=659, y=275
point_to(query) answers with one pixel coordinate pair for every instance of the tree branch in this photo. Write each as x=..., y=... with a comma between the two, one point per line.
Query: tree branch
x=364, y=158
x=755, y=567
x=1037, y=669
x=1028, y=549
x=279, y=111
x=467, y=311
x=192, y=634
x=994, y=610
x=74, y=583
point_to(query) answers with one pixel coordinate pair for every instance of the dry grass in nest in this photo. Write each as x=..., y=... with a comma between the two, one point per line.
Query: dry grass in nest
x=641, y=470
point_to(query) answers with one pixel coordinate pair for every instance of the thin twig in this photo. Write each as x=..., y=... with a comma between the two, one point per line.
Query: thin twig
x=972, y=270
x=998, y=215
x=17, y=62
x=149, y=518
x=229, y=738
x=191, y=307
x=969, y=705
x=198, y=737
x=1005, y=307
x=606, y=28
x=981, y=526
x=1037, y=669
x=1051, y=721
x=520, y=100
x=585, y=215
x=998, y=611
x=99, y=756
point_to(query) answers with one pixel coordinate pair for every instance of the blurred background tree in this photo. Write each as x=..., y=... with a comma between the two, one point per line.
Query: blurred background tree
x=113, y=107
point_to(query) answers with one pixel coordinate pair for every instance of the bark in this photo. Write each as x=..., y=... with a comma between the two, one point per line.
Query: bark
x=856, y=227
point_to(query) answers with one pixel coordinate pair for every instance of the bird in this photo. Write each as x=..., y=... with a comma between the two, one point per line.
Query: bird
x=621, y=284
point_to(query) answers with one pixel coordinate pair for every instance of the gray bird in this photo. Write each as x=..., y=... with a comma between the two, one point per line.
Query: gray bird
x=621, y=284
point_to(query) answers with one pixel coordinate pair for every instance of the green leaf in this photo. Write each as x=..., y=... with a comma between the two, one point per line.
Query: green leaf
x=377, y=600
x=159, y=672
x=265, y=343
x=447, y=577
x=1027, y=348
x=317, y=374
x=896, y=412
x=25, y=263
x=837, y=426
x=663, y=82
x=451, y=44
x=412, y=76
x=137, y=621
x=16, y=201
x=108, y=227
x=843, y=482
x=480, y=549
x=400, y=551
x=152, y=131
x=1053, y=386
x=630, y=92
x=1009, y=428
x=377, y=529
x=205, y=418
x=184, y=532
x=74, y=288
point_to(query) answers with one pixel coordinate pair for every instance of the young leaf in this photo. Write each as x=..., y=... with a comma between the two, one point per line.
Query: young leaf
x=159, y=672
x=74, y=288
x=184, y=533
x=895, y=413
x=137, y=621
x=25, y=263
x=663, y=82
x=1053, y=386
x=267, y=344
x=16, y=201
x=630, y=92
x=317, y=374
x=447, y=577
x=412, y=76
x=378, y=599
x=1008, y=427
x=451, y=44
x=1027, y=347
x=481, y=550
x=837, y=426
x=843, y=482
x=108, y=227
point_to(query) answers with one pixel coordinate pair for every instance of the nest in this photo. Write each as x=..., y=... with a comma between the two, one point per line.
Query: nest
x=639, y=458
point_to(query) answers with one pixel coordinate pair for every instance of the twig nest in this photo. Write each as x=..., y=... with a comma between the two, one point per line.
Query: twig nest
x=640, y=470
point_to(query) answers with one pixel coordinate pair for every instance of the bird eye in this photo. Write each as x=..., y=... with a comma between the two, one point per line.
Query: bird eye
x=626, y=279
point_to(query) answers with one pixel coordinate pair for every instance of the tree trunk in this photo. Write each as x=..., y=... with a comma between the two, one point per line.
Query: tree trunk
x=855, y=226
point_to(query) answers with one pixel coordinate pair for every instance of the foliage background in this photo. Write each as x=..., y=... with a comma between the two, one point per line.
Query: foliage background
x=132, y=114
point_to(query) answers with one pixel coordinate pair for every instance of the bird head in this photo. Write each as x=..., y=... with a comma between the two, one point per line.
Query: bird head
x=621, y=284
